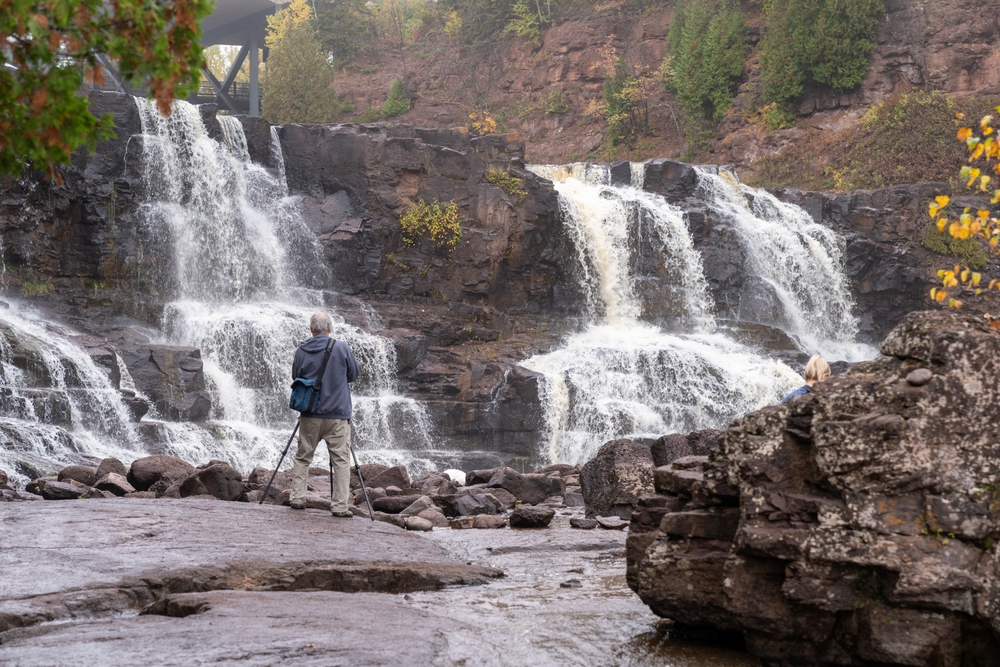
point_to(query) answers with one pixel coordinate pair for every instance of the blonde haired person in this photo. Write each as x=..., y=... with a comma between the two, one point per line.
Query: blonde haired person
x=817, y=370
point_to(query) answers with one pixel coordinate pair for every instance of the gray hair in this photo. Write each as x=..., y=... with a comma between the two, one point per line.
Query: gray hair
x=320, y=323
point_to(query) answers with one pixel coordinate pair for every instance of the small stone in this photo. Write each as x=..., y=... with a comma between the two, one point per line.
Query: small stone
x=462, y=522
x=393, y=491
x=489, y=521
x=612, y=523
x=55, y=490
x=525, y=516
x=115, y=483
x=418, y=523
x=571, y=583
x=583, y=523
x=435, y=516
x=919, y=377
x=572, y=499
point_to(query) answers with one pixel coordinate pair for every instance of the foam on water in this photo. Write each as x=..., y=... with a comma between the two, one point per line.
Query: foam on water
x=624, y=377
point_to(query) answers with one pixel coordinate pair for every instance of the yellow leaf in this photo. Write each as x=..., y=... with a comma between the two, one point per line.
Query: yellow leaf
x=992, y=283
x=984, y=183
x=973, y=176
x=961, y=116
x=996, y=197
x=985, y=122
x=964, y=134
x=941, y=296
x=943, y=200
x=934, y=291
x=955, y=303
x=941, y=224
x=965, y=275
x=978, y=292
x=977, y=153
x=993, y=242
x=976, y=277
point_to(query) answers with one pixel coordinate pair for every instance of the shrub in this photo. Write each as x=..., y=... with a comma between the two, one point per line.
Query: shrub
x=554, y=103
x=398, y=101
x=435, y=221
x=707, y=51
x=824, y=41
x=509, y=184
x=369, y=115
x=968, y=251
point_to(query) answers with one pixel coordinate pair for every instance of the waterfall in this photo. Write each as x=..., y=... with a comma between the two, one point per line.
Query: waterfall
x=623, y=376
x=799, y=261
x=248, y=274
x=56, y=404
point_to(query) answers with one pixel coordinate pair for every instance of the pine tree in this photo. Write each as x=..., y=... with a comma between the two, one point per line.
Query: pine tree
x=299, y=84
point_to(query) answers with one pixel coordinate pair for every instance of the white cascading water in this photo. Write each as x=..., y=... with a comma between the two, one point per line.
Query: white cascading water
x=56, y=404
x=246, y=268
x=623, y=377
x=799, y=260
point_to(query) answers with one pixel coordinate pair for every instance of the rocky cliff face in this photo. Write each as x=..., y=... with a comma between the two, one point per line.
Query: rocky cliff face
x=854, y=526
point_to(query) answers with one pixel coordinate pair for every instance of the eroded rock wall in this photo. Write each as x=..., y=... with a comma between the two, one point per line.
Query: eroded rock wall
x=853, y=526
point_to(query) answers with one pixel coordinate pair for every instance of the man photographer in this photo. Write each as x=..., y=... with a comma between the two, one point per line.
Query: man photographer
x=330, y=418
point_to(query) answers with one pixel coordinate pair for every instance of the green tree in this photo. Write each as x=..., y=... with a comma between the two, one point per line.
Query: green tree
x=707, y=51
x=346, y=29
x=299, y=78
x=823, y=41
x=398, y=101
x=50, y=48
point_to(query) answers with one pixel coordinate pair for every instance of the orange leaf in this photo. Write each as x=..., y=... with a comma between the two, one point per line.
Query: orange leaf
x=964, y=134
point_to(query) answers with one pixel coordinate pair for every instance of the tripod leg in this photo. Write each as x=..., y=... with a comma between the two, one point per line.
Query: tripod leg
x=274, y=474
x=357, y=468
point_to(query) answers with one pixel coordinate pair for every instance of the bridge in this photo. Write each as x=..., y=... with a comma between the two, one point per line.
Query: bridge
x=241, y=23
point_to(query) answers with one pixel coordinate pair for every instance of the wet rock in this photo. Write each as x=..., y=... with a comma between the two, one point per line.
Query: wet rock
x=852, y=527
x=504, y=497
x=368, y=471
x=417, y=523
x=706, y=442
x=583, y=523
x=393, y=491
x=436, y=518
x=669, y=447
x=394, y=504
x=561, y=469
x=219, y=480
x=573, y=498
x=384, y=517
x=68, y=490
x=110, y=465
x=469, y=504
x=395, y=476
x=525, y=516
x=435, y=484
x=86, y=475
x=616, y=477
x=571, y=583
x=4, y=480
x=530, y=488
x=114, y=483
x=462, y=522
x=35, y=485
x=147, y=471
x=612, y=522
x=486, y=521
x=479, y=476
x=173, y=378
x=419, y=505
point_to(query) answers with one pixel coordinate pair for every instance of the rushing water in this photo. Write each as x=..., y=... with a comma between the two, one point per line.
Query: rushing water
x=621, y=376
x=247, y=270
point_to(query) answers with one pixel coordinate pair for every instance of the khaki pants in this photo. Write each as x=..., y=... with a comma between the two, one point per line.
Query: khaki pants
x=337, y=434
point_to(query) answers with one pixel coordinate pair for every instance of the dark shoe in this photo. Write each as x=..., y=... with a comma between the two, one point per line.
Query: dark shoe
x=343, y=515
x=297, y=506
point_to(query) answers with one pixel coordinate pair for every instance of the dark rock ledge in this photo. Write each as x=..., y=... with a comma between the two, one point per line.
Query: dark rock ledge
x=854, y=526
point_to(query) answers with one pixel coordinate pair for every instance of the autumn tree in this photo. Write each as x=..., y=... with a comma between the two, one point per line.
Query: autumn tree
x=979, y=175
x=50, y=47
x=299, y=78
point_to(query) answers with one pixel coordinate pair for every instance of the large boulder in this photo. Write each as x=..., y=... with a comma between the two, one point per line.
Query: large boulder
x=525, y=516
x=147, y=471
x=531, y=488
x=115, y=484
x=469, y=504
x=111, y=465
x=613, y=481
x=86, y=475
x=394, y=476
x=68, y=490
x=217, y=479
x=857, y=525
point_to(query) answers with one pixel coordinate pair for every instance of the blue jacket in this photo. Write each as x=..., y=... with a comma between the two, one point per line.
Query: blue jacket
x=801, y=391
x=334, y=400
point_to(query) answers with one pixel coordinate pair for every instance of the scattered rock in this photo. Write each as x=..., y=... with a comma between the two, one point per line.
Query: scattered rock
x=368, y=471
x=479, y=476
x=35, y=485
x=457, y=476
x=669, y=447
x=616, y=477
x=68, y=490
x=612, y=523
x=219, y=480
x=147, y=471
x=571, y=583
x=469, y=504
x=140, y=494
x=110, y=465
x=438, y=519
x=583, y=523
x=417, y=523
x=462, y=522
x=394, y=476
x=4, y=480
x=86, y=475
x=116, y=484
x=419, y=505
x=525, y=516
x=394, y=504
x=393, y=491
x=531, y=488
x=489, y=521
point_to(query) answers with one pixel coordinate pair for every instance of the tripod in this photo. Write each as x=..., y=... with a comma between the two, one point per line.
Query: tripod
x=357, y=468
